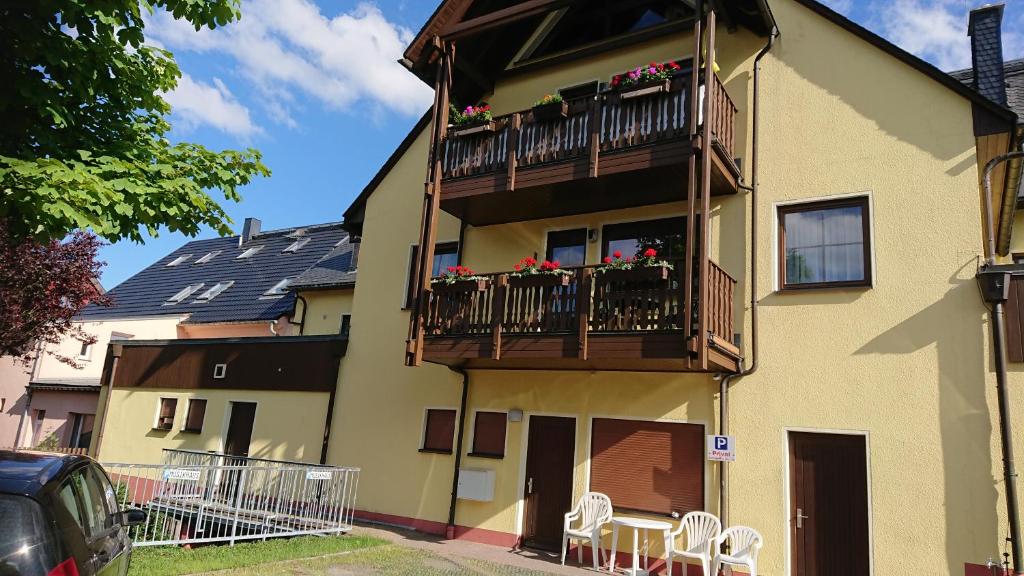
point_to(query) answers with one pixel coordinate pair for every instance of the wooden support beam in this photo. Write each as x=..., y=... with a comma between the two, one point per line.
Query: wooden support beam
x=515, y=124
x=500, y=18
x=705, y=191
x=498, y=314
x=595, y=134
x=691, y=188
x=583, y=297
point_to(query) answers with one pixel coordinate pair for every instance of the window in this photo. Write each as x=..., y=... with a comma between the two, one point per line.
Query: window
x=667, y=236
x=184, y=293
x=214, y=291
x=346, y=324
x=81, y=430
x=655, y=467
x=279, y=289
x=165, y=418
x=37, y=426
x=195, y=414
x=824, y=244
x=220, y=371
x=445, y=255
x=85, y=352
x=1018, y=257
x=209, y=256
x=179, y=260
x=67, y=498
x=95, y=516
x=439, y=431
x=568, y=247
x=489, y=434
x=294, y=247
x=249, y=253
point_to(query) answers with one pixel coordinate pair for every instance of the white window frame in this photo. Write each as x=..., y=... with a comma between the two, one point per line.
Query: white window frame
x=423, y=431
x=208, y=256
x=86, y=355
x=220, y=371
x=184, y=293
x=249, y=252
x=156, y=414
x=278, y=290
x=214, y=291
x=179, y=260
x=777, y=282
x=297, y=244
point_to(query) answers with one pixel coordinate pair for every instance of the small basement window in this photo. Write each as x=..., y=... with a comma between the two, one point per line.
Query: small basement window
x=179, y=260
x=214, y=291
x=250, y=252
x=295, y=246
x=184, y=293
x=439, y=430
x=165, y=417
x=195, y=415
x=208, y=256
x=279, y=289
x=489, y=434
x=825, y=244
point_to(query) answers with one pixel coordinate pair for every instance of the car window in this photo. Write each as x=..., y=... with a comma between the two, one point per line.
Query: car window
x=95, y=516
x=67, y=498
x=109, y=496
x=27, y=546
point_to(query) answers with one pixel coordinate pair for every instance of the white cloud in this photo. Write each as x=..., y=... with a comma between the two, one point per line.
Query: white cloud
x=288, y=48
x=196, y=102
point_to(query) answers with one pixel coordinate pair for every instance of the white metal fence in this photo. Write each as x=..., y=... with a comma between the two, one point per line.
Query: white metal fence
x=195, y=497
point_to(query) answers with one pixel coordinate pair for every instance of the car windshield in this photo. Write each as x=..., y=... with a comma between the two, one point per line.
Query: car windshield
x=26, y=545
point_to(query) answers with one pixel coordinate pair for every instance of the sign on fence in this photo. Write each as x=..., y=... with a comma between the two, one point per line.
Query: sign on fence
x=180, y=474
x=318, y=475
x=721, y=448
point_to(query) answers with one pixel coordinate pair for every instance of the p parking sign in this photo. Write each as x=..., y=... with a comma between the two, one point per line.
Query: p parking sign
x=721, y=448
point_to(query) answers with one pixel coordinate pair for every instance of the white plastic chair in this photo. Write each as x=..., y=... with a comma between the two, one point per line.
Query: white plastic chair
x=593, y=511
x=744, y=544
x=701, y=529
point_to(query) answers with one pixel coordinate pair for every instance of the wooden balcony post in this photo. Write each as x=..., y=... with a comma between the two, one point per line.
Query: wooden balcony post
x=512, y=143
x=685, y=315
x=583, y=297
x=595, y=134
x=498, y=314
x=423, y=265
x=705, y=193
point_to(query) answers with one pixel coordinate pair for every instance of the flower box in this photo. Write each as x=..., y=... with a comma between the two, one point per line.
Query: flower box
x=535, y=280
x=550, y=111
x=470, y=285
x=470, y=128
x=636, y=274
x=644, y=89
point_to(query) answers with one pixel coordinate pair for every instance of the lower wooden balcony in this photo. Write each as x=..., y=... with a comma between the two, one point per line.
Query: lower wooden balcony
x=597, y=153
x=620, y=320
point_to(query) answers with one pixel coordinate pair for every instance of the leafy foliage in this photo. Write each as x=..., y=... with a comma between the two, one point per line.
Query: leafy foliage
x=82, y=124
x=43, y=285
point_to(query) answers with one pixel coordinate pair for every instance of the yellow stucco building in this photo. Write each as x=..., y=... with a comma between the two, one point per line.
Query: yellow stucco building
x=867, y=438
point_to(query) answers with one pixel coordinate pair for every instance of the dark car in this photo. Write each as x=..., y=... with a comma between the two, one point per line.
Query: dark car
x=59, y=517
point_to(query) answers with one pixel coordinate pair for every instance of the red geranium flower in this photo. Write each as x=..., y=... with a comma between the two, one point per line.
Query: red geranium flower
x=607, y=260
x=617, y=254
x=650, y=253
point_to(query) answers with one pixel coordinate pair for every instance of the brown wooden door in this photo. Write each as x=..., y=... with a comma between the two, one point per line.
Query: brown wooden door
x=828, y=505
x=548, y=490
x=240, y=428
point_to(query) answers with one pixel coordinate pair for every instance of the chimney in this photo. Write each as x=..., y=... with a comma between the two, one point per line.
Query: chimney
x=250, y=230
x=985, y=30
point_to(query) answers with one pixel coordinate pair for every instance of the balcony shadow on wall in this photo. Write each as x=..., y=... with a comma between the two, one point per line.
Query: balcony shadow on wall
x=965, y=419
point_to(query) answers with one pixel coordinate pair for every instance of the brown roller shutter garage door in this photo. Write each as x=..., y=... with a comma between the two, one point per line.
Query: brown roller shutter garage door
x=655, y=467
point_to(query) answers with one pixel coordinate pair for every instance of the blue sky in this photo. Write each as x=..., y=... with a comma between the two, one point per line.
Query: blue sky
x=315, y=87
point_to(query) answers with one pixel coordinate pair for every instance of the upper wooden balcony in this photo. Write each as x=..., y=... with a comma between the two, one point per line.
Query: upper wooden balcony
x=617, y=320
x=605, y=152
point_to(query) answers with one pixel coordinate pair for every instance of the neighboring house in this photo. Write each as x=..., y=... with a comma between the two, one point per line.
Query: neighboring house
x=324, y=292
x=14, y=377
x=222, y=287
x=236, y=374
x=866, y=440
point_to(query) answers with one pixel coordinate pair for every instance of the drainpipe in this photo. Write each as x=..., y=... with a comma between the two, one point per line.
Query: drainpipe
x=723, y=392
x=995, y=288
x=450, y=529
x=305, y=306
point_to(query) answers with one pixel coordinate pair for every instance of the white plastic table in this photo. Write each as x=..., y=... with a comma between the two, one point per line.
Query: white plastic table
x=636, y=524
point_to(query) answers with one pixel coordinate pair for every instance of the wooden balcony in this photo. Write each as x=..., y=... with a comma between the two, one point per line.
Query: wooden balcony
x=608, y=151
x=590, y=321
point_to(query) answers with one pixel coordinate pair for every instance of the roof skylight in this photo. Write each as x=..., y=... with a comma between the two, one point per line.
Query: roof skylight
x=279, y=289
x=184, y=293
x=214, y=291
x=250, y=252
x=209, y=256
x=296, y=245
x=179, y=260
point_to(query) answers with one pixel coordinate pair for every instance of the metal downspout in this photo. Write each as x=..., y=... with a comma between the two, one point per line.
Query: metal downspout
x=1002, y=392
x=723, y=392
x=450, y=529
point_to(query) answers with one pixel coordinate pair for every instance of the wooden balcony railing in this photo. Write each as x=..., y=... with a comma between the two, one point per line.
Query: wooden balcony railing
x=518, y=141
x=587, y=302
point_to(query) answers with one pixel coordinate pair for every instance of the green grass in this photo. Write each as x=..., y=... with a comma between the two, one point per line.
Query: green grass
x=175, y=561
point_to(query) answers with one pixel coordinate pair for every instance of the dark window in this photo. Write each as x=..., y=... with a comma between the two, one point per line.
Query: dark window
x=165, y=421
x=439, y=432
x=1018, y=257
x=655, y=467
x=346, y=324
x=196, y=413
x=667, y=236
x=489, y=434
x=81, y=430
x=824, y=244
x=569, y=247
x=445, y=255
x=93, y=502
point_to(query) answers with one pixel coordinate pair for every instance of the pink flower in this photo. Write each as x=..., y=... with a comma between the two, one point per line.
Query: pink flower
x=652, y=70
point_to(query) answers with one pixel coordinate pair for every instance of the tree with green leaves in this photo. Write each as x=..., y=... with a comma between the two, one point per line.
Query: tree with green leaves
x=84, y=146
x=83, y=128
